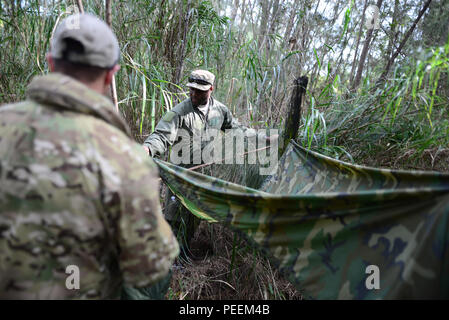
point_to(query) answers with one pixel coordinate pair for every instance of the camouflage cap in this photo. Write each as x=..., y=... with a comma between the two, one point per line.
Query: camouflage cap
x=96, y=44
x=201, y=80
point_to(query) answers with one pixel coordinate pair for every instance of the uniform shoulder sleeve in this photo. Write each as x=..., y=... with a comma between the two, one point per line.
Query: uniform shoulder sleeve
x=164, y=134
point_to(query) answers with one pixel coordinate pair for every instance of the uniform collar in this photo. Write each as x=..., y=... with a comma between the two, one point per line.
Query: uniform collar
x=67, y=93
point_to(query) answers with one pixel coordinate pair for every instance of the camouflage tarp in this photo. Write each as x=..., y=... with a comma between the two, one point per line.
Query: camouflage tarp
x=322, y=222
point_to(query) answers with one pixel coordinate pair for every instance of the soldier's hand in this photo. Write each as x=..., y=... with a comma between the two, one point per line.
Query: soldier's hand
x=147, y=150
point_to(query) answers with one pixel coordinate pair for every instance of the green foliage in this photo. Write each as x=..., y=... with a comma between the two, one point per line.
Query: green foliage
x=405, y=113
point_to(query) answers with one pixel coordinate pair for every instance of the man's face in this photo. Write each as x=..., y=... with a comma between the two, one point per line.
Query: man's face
x=199, y=97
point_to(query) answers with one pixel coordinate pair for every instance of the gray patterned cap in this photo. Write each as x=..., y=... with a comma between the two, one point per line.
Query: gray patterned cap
x=96, y=44
x=201, y=80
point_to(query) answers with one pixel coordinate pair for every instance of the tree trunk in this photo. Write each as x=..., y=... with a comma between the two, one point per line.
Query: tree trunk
x=364, y=53
x=113, y=86
x=274, y=21
x=234, y=11
x=393, y=36
x=358, y=43
x=79, y=3
x=184, y=23
x=291, y=20
x=263, y=23
x=243, y=12
x=294, y=113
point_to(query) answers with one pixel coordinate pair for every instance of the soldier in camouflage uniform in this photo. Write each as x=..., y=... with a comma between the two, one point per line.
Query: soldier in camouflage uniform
x=191, y=120
x=75, y=189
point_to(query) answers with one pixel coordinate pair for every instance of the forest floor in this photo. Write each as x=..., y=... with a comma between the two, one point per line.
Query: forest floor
x=229, y=269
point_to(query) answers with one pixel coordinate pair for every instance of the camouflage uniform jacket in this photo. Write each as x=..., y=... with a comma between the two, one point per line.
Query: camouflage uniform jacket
x=195, y=124
x=76, y=190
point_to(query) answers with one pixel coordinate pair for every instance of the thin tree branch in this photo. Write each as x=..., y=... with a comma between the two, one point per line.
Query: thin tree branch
x=113, y=86
x=401, y=46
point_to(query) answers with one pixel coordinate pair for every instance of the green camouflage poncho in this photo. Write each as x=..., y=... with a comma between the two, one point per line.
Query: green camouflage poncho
x=335, y=229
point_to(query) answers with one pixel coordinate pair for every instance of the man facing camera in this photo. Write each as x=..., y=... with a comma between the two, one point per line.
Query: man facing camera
x=189, y=126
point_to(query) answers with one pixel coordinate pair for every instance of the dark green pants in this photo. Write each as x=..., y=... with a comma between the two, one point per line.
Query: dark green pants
x=181, y=220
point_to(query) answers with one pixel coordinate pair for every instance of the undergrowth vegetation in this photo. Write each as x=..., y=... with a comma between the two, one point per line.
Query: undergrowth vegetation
x=400, y=124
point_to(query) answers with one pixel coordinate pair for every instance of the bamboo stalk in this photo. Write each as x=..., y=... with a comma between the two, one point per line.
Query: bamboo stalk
x=144, y=101
x=114, y=94
x=113, y=86
x=153, y=109
x=79, y=3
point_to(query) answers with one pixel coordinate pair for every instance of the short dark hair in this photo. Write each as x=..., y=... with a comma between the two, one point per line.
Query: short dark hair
x=79, y=71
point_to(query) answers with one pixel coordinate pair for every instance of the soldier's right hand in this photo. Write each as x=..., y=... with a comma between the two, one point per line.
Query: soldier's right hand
x=147, y=150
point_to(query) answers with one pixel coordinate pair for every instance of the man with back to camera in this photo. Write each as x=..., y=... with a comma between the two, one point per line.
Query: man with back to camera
x=79, y=200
